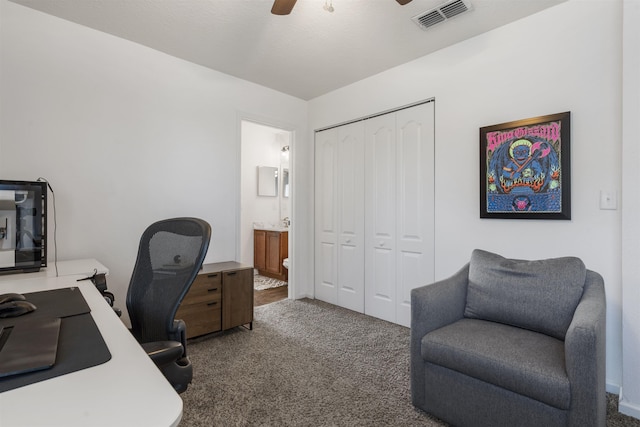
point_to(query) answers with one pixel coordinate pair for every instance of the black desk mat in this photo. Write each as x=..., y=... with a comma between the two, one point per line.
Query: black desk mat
x=80, y=344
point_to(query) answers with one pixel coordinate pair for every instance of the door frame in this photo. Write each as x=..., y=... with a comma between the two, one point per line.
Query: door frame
x=285, y=127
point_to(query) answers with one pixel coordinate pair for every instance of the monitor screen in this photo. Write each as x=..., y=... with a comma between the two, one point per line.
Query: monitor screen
x=23, y=230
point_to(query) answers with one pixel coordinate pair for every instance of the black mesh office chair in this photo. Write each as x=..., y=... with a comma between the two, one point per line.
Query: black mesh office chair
x=169, y=257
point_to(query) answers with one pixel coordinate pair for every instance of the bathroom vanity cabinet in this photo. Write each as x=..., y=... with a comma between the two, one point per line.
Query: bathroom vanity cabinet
x=220, y=298
x=270, y=248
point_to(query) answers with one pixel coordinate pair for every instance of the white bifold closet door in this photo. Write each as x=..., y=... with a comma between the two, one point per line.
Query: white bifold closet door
x=339, y=195
x=399, y=210
x=374, y=216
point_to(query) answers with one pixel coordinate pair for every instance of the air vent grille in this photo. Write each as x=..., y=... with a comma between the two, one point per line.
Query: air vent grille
x=441, y=13
x=431, y=18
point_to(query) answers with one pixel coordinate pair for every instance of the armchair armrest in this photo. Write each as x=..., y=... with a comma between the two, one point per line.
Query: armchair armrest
x=585, y=355
x=434, y=306
x=439, y=304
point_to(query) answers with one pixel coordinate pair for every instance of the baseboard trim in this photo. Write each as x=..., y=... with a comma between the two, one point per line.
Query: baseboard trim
x=613, y=388
x=628, y=408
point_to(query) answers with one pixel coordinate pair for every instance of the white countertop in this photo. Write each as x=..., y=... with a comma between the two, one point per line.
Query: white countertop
x=274, y=228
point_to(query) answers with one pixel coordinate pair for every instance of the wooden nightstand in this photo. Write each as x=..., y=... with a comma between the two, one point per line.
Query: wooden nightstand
x=220, y=298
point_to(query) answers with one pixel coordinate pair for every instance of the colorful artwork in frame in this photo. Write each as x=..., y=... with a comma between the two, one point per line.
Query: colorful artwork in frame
x=525, y=168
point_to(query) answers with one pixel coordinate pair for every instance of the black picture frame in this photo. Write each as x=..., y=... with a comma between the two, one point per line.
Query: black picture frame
x=525, y=168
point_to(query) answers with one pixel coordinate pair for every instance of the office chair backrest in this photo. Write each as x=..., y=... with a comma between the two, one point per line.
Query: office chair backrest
x=169, y=256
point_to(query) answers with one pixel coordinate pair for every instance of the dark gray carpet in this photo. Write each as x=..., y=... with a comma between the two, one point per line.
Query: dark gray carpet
x=308, y=363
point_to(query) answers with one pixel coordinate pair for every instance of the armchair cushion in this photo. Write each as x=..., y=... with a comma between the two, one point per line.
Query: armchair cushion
x=522, y=361
x=537, y=295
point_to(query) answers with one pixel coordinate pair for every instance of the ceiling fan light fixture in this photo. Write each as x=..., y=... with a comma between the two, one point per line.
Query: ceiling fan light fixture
x=328, y=6
x=282, y=7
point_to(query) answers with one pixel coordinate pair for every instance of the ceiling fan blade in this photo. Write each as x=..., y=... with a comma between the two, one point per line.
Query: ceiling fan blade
x=403, y=2
x=283, y=7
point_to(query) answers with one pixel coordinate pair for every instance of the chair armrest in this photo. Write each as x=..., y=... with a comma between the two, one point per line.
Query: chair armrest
x=179, y=333
x=432, y=307
x=585, y=355
x=163, y=352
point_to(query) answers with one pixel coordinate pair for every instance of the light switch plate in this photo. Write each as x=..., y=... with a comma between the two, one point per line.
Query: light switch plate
x=608, y=200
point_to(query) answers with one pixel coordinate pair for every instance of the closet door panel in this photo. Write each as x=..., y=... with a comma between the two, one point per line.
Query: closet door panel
x=380, y=213
x=382, y=183
x=326, y=273
x=350, y=213
x=326, y=231
x=380, y=292
x=415, y=204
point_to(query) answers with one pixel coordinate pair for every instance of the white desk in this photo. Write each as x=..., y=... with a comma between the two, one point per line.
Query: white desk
x=84, y=267
x=128, y=390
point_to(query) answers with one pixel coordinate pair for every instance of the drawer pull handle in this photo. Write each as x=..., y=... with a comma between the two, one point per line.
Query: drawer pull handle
x=212, y=303
x=213, y=275
x=212, y=290
x=232, y=273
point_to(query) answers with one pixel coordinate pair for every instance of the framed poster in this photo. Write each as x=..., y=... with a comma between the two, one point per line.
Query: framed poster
x=525, y=168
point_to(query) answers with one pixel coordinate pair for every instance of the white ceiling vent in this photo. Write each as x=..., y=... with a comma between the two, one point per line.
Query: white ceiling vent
x=441, y=13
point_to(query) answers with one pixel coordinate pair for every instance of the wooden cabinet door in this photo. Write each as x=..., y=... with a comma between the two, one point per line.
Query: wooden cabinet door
x=237, y=298
x=284, y=253
x=260, y=249
x=273, y=263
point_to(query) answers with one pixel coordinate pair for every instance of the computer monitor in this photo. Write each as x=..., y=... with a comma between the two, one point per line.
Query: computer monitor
x=23, y=226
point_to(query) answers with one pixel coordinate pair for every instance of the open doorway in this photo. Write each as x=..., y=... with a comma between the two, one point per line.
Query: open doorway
x=265, y=210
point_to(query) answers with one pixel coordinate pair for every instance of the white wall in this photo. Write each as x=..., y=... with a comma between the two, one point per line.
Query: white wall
x=126, y=135
x=554, y=61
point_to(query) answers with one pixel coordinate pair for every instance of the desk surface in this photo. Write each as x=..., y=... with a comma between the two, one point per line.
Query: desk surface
x=127, y=390
x=84, y=267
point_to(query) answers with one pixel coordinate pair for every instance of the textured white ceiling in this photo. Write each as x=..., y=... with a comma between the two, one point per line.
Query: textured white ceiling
x=305, y=54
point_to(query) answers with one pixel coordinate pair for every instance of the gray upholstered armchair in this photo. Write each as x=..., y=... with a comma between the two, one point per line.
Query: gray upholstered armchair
x=508, y=342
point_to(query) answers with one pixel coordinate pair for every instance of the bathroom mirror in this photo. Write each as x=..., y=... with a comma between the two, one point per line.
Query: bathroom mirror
x=267, y=181
x=285, y=182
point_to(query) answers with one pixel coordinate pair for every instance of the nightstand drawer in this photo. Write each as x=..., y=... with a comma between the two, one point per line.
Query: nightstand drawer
x=206, y=288
x=201, y=318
